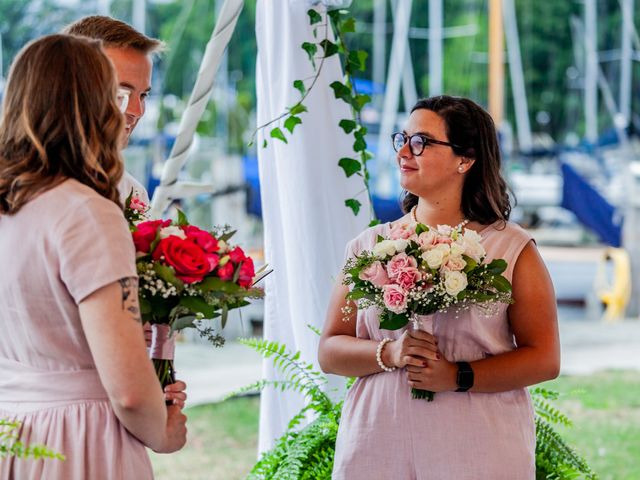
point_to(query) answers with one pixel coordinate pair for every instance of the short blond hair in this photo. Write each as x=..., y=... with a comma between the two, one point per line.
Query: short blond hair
x=114, y=33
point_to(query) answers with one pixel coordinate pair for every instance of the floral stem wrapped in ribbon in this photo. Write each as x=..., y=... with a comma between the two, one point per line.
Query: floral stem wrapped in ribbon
x=420, y=270
x=186, y=275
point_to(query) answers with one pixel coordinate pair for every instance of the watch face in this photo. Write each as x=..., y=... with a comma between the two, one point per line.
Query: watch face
x=465, y=376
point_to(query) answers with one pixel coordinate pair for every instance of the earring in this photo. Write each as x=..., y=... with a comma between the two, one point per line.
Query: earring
x=460, y=169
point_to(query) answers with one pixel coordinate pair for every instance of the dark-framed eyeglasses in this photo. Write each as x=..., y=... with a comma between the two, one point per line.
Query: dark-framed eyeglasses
x=417, y=142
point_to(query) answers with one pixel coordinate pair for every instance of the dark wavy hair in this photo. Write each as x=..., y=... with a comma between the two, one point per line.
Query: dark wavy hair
x=60, y=120
x=485, y=198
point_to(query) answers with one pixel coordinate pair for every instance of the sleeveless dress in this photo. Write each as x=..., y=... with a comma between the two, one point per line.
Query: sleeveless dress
x=59, y=248
x=385, y=434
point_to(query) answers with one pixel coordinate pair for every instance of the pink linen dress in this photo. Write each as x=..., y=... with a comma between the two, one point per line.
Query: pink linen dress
x=384, y=434
x=59, y=248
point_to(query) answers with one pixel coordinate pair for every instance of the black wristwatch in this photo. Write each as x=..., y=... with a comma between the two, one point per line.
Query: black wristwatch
x=465, y=376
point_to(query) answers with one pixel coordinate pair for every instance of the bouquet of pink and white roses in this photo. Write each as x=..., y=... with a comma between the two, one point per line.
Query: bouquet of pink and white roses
x=420, y=270
x=186, y=275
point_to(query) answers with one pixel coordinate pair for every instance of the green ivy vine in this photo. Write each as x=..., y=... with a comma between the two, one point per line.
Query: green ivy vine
x=342, y=24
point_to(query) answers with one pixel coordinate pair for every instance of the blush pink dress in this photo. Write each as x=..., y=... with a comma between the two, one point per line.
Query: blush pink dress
x=385, y=434
x=59, y=248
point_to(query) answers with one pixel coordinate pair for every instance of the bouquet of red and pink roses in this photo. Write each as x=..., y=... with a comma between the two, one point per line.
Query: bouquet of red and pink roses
x=186, y=275
x=420, y=270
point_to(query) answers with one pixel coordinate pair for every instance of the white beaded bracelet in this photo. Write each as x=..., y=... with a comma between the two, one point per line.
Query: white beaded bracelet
x=381, y=346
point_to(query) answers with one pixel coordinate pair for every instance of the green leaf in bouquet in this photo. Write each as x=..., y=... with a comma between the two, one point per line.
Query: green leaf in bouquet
x=198, y=304
x=393, y=321
x=183, y=322
x=227, y=235
x=379, y=238
x=471, y=263
x=215, y=284
x=501, y=284
x=420, y=228
x=358, y=294
x=182, y=219
x=168, y=274
x=145, y=306
x=224, y=315
x=497, y=266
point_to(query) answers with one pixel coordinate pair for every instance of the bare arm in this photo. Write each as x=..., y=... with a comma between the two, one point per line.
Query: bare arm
x=342, y=353
x=533, y=319
x=111, y=321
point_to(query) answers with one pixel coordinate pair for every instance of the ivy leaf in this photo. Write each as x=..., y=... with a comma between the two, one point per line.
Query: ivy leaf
x=291, y=122
x=182, y=219
x=314, y=17
x=353, y=204
x=360, y=144
x=347, y=125
x=366, y=156
x=311, y=49
x=297, y=108
x=264, y=143
x=329, y=47
x=348, y=25
x=360, y=101
x=374, y=222
x=362, y=57
x=350, y=166
x=277, y=133
x=299, y=85
x=341, y=91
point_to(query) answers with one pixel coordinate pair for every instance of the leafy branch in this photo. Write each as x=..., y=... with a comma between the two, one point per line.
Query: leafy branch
x=353, y=61
x=11, y=446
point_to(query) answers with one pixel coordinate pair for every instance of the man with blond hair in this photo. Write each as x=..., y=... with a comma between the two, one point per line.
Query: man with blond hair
x=131, y=53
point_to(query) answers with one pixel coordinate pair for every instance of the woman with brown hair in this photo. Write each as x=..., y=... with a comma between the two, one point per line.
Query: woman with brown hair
x=74, y=366
x=480, y=423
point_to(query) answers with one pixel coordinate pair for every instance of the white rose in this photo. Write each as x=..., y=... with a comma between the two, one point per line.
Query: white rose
x=433, y=257
x=385, y=248
x=454, y=282
x=455, y=263
x=456, y=249
x=401, y=245
x=172, y=230
x=472, y=246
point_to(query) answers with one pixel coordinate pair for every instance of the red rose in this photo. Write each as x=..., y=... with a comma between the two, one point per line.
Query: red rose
x=225, y=272
x=146, y=232
x=190, y=262
x=204, y=239
x=237, y=255
x=247, y=272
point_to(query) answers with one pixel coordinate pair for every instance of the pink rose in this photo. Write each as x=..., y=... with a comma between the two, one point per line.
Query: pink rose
x=146, y=232
x=444, y=240
x=204, y=239
x=401, y=231
x=426, y=239
x=188, y=260
x=374, y=273
x=400, y=262
x=395, y=299
x=137, y=205
x=408, y=277
x=225, y=272
x=247, y=272
x=454, y=264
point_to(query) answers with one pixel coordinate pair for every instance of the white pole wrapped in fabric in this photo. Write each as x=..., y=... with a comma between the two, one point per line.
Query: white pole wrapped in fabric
x=306, y=224
x=169, y=188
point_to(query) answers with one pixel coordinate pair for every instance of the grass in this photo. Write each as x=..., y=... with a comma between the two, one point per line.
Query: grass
x=604, y=407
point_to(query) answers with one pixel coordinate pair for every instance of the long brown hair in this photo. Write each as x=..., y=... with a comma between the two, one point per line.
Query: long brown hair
x=60, y=120
x=468, y=126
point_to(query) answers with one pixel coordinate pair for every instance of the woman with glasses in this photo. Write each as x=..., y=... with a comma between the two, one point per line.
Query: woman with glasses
x=480, y=424
x=75, y=371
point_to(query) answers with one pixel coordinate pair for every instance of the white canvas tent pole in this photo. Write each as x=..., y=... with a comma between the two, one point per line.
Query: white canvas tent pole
x=169, y=187
x=517, y=78
x=435, y=48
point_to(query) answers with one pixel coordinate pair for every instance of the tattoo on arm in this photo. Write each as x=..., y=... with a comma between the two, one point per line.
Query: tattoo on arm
x=129, y=287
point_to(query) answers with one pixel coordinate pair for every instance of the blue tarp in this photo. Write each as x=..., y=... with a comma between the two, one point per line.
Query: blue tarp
x=591, y=208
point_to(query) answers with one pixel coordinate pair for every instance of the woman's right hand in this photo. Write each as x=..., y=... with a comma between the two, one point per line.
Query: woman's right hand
x=412, y=348
x=176, y=432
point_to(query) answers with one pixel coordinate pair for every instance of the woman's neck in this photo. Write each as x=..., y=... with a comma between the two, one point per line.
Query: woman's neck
x=445, y=213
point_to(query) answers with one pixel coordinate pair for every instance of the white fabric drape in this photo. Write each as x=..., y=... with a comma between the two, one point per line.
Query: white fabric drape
x=306, y=224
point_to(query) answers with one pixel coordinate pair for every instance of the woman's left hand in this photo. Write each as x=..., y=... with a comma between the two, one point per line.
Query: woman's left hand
x=436, y=376
x=175, y=393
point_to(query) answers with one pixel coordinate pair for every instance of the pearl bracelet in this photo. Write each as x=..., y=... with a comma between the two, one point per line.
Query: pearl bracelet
x=381, y=346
